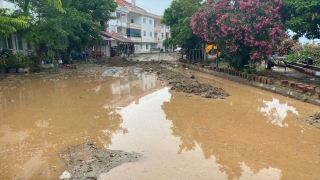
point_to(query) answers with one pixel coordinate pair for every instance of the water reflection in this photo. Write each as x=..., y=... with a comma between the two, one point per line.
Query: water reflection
x=264, y=173
x=238, y=135
x=41, y=117
x=277, y=112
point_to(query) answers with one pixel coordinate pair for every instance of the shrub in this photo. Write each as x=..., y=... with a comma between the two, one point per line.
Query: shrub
x=308, y=50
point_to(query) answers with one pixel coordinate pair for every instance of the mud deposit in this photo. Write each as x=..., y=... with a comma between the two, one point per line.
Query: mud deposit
x=180, y=83
x=87, y=161
x=124, y=106
x=314, y=120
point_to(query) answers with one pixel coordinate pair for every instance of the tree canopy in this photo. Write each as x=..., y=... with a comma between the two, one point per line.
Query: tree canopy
x=10, y=24
x=56, y=3
x=63, y=31
x=245, y=29
x=303, y=17
x=177, y=16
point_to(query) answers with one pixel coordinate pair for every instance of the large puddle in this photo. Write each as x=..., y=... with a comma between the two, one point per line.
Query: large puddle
x=253, y=134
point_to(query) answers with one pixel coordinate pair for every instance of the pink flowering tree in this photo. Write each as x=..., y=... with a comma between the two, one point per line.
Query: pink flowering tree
x=245, y=30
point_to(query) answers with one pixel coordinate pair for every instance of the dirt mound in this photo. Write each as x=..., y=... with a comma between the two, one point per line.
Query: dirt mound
x=314, y=120
x=201, y=89
x=181, y=83
x=119, y=62
x=86, y=161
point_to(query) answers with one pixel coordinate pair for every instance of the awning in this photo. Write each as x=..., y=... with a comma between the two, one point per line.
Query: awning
x=116, y=38
x=107, y=39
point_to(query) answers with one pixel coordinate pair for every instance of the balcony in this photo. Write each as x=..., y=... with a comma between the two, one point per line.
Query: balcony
x=121, y=23
x=135, y=39
x=132, y=25
x=157, y=29
x=157, y=40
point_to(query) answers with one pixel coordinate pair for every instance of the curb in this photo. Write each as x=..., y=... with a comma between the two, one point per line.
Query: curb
x=288, y=93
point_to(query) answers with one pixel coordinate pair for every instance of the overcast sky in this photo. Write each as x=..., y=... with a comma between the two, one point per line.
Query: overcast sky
x=154, y=6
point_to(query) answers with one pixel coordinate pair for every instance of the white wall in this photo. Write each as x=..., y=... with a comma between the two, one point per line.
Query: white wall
x=136, y=18
x=10, y=5
x=148, y=28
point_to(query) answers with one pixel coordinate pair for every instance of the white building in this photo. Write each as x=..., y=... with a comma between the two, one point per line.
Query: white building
x=13, y=41
x=140, y=26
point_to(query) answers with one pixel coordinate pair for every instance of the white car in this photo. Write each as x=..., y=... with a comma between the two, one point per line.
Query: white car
x=178, y=49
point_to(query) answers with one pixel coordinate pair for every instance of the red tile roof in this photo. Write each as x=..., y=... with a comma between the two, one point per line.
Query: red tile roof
x=126, y=3
x=120, y=3
x=116, y=37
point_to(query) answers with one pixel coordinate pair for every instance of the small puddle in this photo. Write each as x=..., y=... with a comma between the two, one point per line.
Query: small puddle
x=253, y=134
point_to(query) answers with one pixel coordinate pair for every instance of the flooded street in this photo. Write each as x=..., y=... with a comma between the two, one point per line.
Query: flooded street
x=252, y=134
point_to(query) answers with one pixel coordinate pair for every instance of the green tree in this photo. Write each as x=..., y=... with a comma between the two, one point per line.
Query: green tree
x=303, y=17
x=10, y=24
x=63, y=31
x=56, y=3
x=177, y=16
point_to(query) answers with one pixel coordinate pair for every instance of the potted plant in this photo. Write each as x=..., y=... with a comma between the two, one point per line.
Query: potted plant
x=22, y=62
x=3, y=65
x=12, y=62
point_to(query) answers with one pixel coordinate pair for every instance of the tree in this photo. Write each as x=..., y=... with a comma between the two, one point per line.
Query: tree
x=304, y=17
x=10, y=24
x=62, y=32
x=246, y=30
x=56, y=3
x=177, y=16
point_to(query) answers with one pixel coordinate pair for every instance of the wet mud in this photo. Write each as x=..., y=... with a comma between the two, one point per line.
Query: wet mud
x=87, y=161
x=314, y=120
x=252, y=134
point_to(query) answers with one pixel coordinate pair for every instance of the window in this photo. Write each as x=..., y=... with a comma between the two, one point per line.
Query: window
x=144, y=20
x=20, y=46
x=9, y=41
x=131, y=32
x=147, y=46
x=132, y=21
x=150, y=34
x=155, y=35
x=150, y=21
x=162, y=35
x=144, y=33
x=3, y=42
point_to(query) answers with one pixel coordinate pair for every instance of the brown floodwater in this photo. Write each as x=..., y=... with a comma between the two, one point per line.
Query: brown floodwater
x=253, y=134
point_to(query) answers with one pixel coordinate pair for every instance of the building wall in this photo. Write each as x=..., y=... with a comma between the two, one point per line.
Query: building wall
x=119, y=24
x=147, y=29
x=8, y=4
x=13, y=42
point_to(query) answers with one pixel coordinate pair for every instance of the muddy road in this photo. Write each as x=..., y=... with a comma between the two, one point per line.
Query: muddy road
x=251, y=134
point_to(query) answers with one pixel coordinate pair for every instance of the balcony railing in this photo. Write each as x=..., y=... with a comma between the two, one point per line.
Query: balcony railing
x=136, y=39
x=132, y=25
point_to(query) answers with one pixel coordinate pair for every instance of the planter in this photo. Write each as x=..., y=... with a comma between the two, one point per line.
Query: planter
x=20, y=70
x=3, y=69
x=11, y=70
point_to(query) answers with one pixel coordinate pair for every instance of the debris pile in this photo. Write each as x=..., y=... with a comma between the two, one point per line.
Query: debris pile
x=314, y=120
x=87, y=161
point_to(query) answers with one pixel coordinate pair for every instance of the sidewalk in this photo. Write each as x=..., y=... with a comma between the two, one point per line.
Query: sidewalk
x=275, y=87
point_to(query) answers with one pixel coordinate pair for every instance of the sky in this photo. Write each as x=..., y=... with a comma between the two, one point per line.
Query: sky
x=153, y=6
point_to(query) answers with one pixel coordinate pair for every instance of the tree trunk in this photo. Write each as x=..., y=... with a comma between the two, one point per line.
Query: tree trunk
x=40, y=54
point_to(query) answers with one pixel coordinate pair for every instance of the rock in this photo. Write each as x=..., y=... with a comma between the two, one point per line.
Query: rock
x=192, y=76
